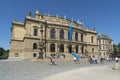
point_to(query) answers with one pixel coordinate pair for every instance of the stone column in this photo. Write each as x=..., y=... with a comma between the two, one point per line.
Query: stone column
x=56, y=48
x=27, y=29
x=73, y=36
x=57, y=33
x=31, y=30
x=65, y=35
x=74, y=48
x=48, y=33
x=79, y=37
x=48, y=47
x=79, y=49
x=65, y=48
x=43, y=31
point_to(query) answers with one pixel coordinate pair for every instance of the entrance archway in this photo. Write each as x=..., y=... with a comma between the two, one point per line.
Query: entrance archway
x=70, y=48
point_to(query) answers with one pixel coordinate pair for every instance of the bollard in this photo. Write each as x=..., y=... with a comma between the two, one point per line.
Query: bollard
x=116, y=65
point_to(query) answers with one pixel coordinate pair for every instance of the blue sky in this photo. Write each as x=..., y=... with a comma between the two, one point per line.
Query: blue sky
x=104, y=15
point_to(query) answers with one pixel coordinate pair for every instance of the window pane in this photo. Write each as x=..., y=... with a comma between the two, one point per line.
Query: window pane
x=52, y=47
x=61, y=34
x=77, y=49
x=76, y=36
x=35, y=46
x=61, y=48
x=35, y=32
x=52, y=34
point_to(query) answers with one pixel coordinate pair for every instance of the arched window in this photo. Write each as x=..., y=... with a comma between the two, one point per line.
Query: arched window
x=76, y=36
x=34, y=55
x=92, y=50
x=35, y=46
x=61, y=34
x=76, y=48
x=61, y=48
x=52, y=34
x=16, y=55
x=81, y=37
x=52, y=47
x=92, y=39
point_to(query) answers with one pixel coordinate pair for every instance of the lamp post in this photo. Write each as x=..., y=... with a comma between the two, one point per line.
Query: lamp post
x=41, y=44
x=45, y=36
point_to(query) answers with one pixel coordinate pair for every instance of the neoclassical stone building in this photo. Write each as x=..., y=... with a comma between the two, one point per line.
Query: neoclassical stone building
x=53, y=34
x=105, y=45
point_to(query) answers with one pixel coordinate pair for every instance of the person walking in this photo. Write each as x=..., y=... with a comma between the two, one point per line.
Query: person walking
x=116, y=59
x=52, y=60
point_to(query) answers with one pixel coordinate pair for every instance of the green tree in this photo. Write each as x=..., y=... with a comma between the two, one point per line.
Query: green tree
x=116, y=48
x=6, y=53
x=1, y=51
x=118, y=54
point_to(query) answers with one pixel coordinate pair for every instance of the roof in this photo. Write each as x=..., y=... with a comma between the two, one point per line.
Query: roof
x=103, y=36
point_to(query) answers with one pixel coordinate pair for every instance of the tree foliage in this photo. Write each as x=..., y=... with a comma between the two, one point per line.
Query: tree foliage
x=116, y=48
x=3, y=53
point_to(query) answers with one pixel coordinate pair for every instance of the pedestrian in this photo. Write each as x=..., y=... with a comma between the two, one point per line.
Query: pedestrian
x=98, y=60
x=116, y=59
x=52, y=60
x=75, y=59
x=94, y=60
x=90, y=60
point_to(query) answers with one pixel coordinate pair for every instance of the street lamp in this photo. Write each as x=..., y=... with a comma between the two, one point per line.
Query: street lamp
x=41, y=44
x=45, y=36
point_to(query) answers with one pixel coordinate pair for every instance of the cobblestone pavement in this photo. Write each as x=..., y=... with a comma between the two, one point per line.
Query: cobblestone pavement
x=26, y=70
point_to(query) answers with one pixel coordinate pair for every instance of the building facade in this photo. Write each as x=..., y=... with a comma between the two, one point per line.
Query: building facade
x=53, y=34
x=105, y=45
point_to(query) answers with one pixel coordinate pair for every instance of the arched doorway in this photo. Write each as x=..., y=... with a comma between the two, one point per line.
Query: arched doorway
x=82, y=49
x=76, y=48
x=61, y=48
x=70, y=48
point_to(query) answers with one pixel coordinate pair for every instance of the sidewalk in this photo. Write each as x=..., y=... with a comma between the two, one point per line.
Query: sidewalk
x=88, y=73
x=42, y=70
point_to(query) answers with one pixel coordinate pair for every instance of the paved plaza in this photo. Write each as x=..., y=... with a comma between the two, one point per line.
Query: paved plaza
x=39, y=70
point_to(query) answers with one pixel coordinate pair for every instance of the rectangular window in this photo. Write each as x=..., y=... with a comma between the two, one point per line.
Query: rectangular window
x=92, y=50
x=92, y=39
x=35, y=32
